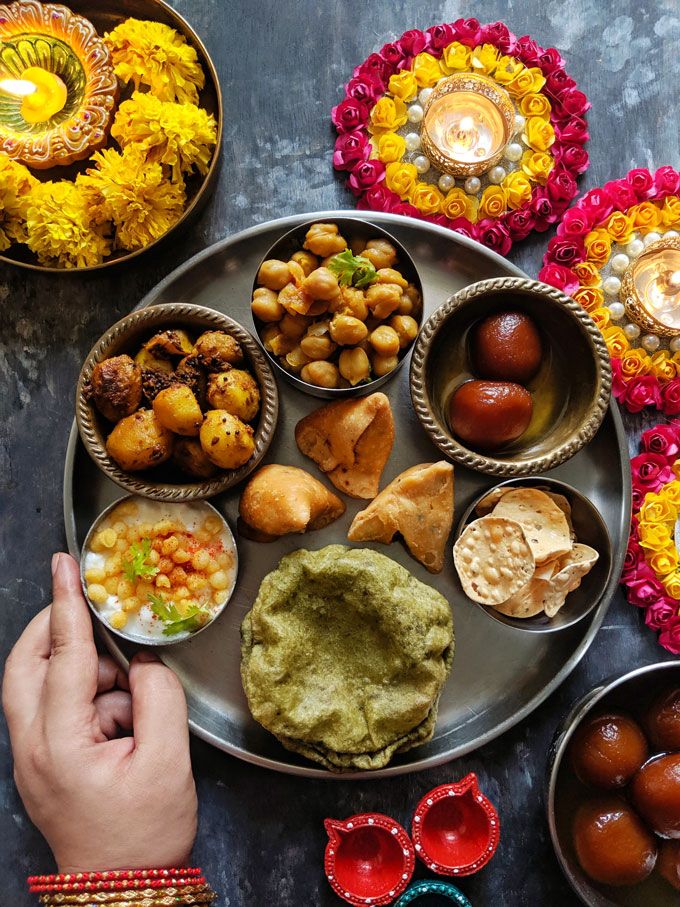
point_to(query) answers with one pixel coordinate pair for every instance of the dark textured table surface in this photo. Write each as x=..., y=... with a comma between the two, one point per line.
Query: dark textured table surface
x=282, y=65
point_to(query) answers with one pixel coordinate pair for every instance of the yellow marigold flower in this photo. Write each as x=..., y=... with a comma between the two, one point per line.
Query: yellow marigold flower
x=671, y=584
x=671, y=492
x=458, y=203
x=401, y=178
x=484, y=59
x=646, y=216
x=517, y=189
x=157, y=56
x=664, y=562
x=403, y=85
x=534, y=105
x=538, y=134
x=654, y=537
x=391, y=147
x=670, y=212
x=619, y=226
x=598, y=245
x=537, y=165
x=387, y=115
x=181, y=136
x=635, y=362
x=590, y=298
x=588, y=274
x=427, y=198
x=616, y=340
x=493, y=202
x=455, y=58
x=507, y=69
x=662, y=366
x=15, y=184
x=60, y=227
x=136, y=195
x=601, y=317
x=657, y=509
x=426, y=70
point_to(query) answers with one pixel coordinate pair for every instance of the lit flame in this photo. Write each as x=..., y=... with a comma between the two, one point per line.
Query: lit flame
x=17, y=88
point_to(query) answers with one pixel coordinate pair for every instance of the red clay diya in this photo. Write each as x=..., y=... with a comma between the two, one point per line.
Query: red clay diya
x=456, y=828
x=369, y=858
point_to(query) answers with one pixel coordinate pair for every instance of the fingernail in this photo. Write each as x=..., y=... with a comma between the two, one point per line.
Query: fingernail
x=55, y=563
x=146, y=657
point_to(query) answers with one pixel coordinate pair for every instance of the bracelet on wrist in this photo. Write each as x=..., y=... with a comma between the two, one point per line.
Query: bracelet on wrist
x=124, y=888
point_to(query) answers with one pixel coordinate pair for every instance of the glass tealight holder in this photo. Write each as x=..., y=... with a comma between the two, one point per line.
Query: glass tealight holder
x=650, y=288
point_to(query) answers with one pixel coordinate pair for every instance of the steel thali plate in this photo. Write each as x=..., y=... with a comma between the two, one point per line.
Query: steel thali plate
x=499, y=674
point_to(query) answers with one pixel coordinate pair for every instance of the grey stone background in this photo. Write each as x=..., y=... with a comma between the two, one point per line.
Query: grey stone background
x=282, y=65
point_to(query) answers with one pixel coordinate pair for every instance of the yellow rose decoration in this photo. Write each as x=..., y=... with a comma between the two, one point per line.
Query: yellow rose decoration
x=427, y=198
x=664, y=562
x=672, y=493
x=403, y=85
x=459, y=204
x=619, y=226
x=401, y=178
x=646, y=216
x=391, y=147
x=517, y=189
x=671, y=584
x=484, y=59
x=662, y=366
x=676, y=469
x=535, y=105
x=590, y=298
x=676, y=359
x=598, y=246
x=538, y=134
x=387, y=115
x=426, y=70
x=634, y=363
x=616, y=340
x=588, y=274
x=654, y=537
x=601, y=317
x=527, y=81
x=670, y=213
x=493, y=202
x=537, y=165
x=656, y=509
x=507, y=69
x=455, y=58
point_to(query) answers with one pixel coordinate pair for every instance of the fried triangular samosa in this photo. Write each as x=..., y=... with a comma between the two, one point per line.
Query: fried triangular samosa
x=350, y=441
x=418, y=504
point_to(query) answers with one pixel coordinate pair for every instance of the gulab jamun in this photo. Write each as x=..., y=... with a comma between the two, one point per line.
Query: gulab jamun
x=607, y=750
x=663, y=721
x=668, y=864
x=506, y=347
x=489, y=414
x=655, y=792
x=612, y=845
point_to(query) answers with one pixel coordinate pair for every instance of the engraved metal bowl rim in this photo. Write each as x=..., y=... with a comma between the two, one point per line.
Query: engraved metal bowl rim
x=359, y=390
x=580, y=709
x=508, y=468
x=156, y=316
x=532, y=624
x=209, y=180
x=628, y=295
x=154, y=641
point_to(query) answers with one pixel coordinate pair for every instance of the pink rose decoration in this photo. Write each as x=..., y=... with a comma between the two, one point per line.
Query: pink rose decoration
x=441, y=36
x=349, y=114
x=662, y=440
x=550, y=60
x=573, y=102
x=576, y=130
x=365, y=175
x=528, y=50
x=376, y=67
x=498, y=34
x=644, y=592
x=461, y=225
x=559, y=82
x=350, y=148
x=468, y=31
x=618, y=384
x=413, y=42
x=597, y=204
x=666, y=181
x=575, y=223
x=493, y=235
x=559, y=276
x=633, y=558
x=670, y=634
x=391, y=53
x=520, y=223
x=379, y=198
x=561, y=186
x=670, y=397
x=649, y=472
x=662, y=615
x=642, y=392
x=544, y=210
x=566, y=251
x=366, y=89
x=642, y=182
x=622, y=194
x=572, y=156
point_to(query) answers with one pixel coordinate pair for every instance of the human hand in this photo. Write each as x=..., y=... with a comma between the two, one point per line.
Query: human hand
x=102, y=801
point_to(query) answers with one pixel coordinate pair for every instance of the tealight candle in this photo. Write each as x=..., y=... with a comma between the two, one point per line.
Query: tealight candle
x=650, y=288
x=467, y=124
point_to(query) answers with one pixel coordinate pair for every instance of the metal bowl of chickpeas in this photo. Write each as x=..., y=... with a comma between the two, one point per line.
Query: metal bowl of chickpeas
x=337, y=306
x=177, y=402
x=156, y=573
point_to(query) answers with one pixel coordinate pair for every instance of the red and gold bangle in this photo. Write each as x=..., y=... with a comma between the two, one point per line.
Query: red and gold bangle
x=63, y=878
x=124, y=888
x=117, y=884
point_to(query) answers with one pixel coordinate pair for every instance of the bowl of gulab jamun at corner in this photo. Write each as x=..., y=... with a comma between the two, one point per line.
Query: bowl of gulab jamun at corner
x=613, y=797
x=510, y=377
x=176, y=402
x=337, y=304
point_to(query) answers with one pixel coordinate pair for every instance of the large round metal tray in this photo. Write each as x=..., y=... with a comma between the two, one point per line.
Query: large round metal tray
x=499, y=674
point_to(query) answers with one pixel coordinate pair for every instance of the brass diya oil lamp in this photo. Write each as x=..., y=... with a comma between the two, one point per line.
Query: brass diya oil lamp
x=57, y=86
x=650, y=288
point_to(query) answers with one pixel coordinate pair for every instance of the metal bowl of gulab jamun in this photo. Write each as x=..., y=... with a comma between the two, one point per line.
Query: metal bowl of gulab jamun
x=510, y=377
x=613, y=794
x=176, y=402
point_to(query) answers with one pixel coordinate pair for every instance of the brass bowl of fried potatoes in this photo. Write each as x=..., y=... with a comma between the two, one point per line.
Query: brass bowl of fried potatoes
x=337, y=306
x=557, y=566
x=176, y=402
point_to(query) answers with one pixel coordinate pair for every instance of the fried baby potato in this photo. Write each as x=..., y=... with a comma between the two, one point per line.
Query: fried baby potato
x=190, y=457
x=189, y=372
x=235, y=391
x=279, y=500
x=493, y=559
x=116, y=387
x=217, y=351
x=177, y=409
x=139, y=442
x=226, y=440
x=169, y=343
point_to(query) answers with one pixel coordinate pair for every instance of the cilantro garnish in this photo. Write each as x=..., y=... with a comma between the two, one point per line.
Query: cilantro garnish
x=136, y=567
x=352, y=270
x=194, y=618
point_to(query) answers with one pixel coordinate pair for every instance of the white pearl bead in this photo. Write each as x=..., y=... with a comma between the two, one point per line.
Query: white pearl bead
x=513, y=152
x=472, y=185
x=519, y=122
x=424, y=95
x=446, y=182
x=650, y=342
x=617, y=310
x=671, y=234
x=632, y=331
x=611, y=286
x=651, y=237
x=619, y=263
x=634, y=247
x=496, y=175
x=421, y=163
x=675, y=344
x=412, y=140
x=415, y=113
